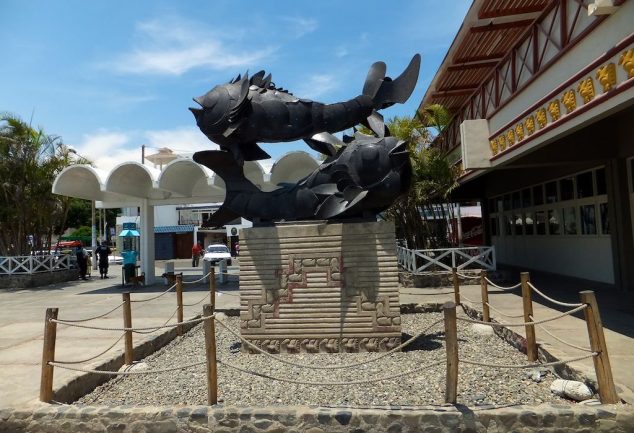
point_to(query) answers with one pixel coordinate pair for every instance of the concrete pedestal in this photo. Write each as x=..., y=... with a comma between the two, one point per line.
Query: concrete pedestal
x=317, y=287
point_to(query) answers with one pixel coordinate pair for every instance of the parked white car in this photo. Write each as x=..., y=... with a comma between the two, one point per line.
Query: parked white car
x=216, y=252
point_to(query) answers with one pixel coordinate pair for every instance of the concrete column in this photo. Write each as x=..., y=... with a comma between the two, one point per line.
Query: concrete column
x=620, y=215
x=147, y=241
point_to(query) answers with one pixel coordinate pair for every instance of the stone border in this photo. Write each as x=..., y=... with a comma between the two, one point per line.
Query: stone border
x=38, y=279
x=438, y=419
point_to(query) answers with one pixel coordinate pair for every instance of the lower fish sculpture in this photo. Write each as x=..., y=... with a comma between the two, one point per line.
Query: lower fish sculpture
x=251, y=110
x=362, y=179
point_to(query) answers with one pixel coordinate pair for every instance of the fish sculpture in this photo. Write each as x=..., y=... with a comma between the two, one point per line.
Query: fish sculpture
x=362, y=179
x=251, y=110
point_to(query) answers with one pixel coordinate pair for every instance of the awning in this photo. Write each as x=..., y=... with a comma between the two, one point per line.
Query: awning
x=129, y=233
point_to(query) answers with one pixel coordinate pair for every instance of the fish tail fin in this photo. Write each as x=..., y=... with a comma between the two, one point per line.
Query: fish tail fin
x=224, y=165
x=384, y=91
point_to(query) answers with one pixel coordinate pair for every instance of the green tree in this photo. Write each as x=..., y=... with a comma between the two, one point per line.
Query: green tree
x=30, y=160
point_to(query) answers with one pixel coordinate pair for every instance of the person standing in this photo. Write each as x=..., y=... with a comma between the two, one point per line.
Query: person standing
x=197, y=250
x=82, y=261
x=103, y=251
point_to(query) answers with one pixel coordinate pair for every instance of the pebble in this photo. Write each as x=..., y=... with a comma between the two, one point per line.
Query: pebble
x=476, y=384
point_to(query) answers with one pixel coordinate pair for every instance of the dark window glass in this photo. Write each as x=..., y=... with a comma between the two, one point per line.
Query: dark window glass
x=600, y=175
x=499, y=204
x=538, y=195
x=492, y=207
x=551, y=192
x=567, y=188
x=585, y=187
x=508, y=223
x=528, y=223
x=494, y=226
x=507, y=202
x=516, y=200
x=526, y=198
x=605, y=220
x=554, y=222
x=519, y=224
x=570, y=221
x=588, y=219
x=540, y=222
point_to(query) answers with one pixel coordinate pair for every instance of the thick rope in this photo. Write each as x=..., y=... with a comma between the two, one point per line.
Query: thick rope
x=550, y=319
x=91, y=358
x=468, y=277
x=503, y=288
x=156, y=329
x=319, y=367
x=198, y=280
x=127, y=373
x=344, y=383
x=554, y=301
x=574, y=346
x=147, y=328
x=154, y=297
x=512, y=316
x=196, y=303
x=470, y=300
x=547, y=364
x=93, y=318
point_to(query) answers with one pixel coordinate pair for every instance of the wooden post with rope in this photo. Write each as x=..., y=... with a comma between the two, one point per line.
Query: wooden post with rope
x=48, y=355
x=179, y=303
x=607, y=391
x=484, y=293
x=127, y=323
x=527, y=301
x=212, y=286
x=210, y=352
x=451, y=341
x=456, y=285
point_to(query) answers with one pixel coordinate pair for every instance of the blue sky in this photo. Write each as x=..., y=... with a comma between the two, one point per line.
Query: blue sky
x=109, y=76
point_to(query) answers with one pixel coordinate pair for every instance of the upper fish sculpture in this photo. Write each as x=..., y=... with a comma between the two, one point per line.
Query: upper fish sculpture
x=248, y=110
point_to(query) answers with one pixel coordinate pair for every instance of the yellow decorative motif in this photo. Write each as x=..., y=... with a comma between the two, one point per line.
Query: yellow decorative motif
x=586, y=90
x=627, y=61
x=542, y=119
x=510, y=137
x=502, y=142
x=554, y=110
x=494, y=146
x=519, y=131
x=606, y=75
x=569, y=99
x=530, y=124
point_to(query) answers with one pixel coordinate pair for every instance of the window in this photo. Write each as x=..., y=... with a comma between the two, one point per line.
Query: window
x=570, y=221
x=551, y=192
x=567, y=188
x=507, y=202
x=540, y=222
x=528, y=223
x=519, y=224
x=526, y=198
x=499, y=204
x=585, y=185
x=588, y=220
x=538, y=195
x=508, y=224
x=492, y=206
x=601, y=186
x=494, y=226
x=516, y=200
x=554, y=222
x=605, y=220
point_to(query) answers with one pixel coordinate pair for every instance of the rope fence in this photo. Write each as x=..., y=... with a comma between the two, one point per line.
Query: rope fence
x=597, y=350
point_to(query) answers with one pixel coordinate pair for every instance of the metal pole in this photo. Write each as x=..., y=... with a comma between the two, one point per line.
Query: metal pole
x=94, y=237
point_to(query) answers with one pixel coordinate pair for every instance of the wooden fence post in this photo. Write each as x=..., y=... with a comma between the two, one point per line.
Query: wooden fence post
x=484, y=293
x=127, y=323
x=451, y=341
x=607, y=391
x=456, y=285
x=179, y=303
x=212, y=286
x=48, y=355
x=527, y=300
x=210, y=351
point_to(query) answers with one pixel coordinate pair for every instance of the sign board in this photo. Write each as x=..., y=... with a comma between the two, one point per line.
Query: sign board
x=129, y=226
x=474, y=136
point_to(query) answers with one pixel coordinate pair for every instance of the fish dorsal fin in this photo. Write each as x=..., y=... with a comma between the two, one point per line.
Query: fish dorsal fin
x=236, y=79
x=256, y=79
x=266, y=81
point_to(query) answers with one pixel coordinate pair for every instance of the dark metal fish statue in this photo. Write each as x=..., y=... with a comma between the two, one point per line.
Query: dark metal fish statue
x=245, y=111
x=359, y=181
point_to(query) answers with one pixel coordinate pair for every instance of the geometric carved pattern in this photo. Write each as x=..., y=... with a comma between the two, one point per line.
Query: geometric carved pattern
x=308, y=302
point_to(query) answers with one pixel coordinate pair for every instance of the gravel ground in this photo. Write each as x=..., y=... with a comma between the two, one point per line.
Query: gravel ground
x=476, y=386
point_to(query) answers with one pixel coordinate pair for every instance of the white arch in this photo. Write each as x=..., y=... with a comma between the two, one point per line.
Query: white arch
x=292, y=167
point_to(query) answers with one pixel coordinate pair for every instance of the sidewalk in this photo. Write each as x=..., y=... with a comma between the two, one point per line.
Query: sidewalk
x=22, y=324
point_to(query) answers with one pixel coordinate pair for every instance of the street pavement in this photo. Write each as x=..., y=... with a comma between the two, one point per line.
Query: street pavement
x=22, y=323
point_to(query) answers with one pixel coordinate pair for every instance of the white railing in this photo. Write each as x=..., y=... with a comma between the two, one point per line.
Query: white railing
x=25, y=265
x=444, y=259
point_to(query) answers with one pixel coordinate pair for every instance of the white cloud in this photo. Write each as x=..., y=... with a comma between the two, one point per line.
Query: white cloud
x=185, y=140
x=106, y=149
x=174, y=46
x=299, y=26
x=317, y=85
